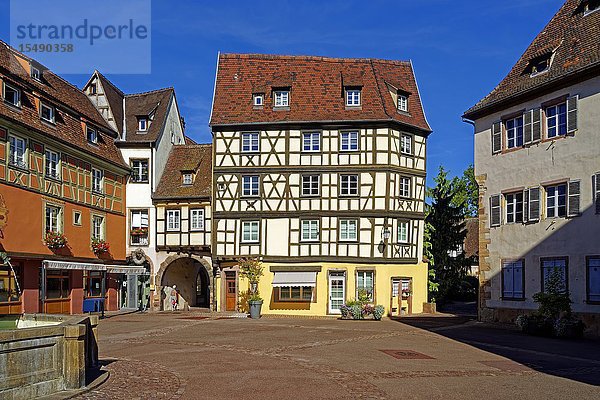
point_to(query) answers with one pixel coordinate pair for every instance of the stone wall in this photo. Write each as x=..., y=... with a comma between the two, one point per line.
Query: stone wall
x=42, y=360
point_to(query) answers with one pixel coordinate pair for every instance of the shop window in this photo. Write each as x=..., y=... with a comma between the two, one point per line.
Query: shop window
x=295, y=293
x=57, y=284
x=92, y=281
x=9, y=288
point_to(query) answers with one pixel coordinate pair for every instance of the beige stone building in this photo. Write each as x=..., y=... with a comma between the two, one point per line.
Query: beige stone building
x=319, y=170
x=537, y=138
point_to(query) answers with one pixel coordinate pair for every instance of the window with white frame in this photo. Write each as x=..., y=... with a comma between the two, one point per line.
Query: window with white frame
x=139, y=171
x=554, y=267
x=92, y=135
x=250, y=186
x=17, y=152
x=512, y=280
x=593, y=279
x=406, y=144
x=52, y=164
x=97, y=180
x=514, y=132
x=352, y=97
x=250, y=142
x=402, y=103
x=403, y=228
x=310, y=185
x=349, y=141
x=12, y=95
x=47, y=113
x=310, y=230
x=97, y=227
x=349, y=185
x=364, y=282
x=187, y=178
x=173, y=220
x=53, y=220
x=250, y=231
x=311, y=141
x=556, y=120
x=282, y=98
x=556, y=201
x=258, y=99
x=197, y=219
x=139, y=227
x=514, y=207
x=591, y=6
x=405, y=186
x=142, y=124
x=36, y=73
x=348, y=229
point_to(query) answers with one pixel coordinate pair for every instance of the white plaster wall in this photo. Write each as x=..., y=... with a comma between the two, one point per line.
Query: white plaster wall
x=164, y=144
x=566, y=158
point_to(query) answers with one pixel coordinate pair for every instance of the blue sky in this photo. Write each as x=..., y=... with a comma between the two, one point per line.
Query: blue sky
x=460, y=50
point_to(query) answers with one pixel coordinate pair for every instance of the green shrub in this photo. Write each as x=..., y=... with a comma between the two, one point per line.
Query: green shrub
x=356, y=311
x=378, y=312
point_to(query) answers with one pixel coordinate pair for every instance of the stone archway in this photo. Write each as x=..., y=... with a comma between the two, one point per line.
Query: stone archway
x=185, y=272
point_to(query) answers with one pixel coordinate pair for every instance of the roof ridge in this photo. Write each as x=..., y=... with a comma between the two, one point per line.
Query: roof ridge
x=191, y=146
x=151, y=92
x=311, y=58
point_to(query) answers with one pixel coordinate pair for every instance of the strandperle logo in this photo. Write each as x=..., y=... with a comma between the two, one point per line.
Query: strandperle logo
x=77, y=37
x=84, y=31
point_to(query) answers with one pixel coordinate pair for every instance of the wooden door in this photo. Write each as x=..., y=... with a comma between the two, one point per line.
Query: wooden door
x=230, y=291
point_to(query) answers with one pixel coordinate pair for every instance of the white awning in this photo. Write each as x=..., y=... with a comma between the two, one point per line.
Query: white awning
x=74, y=265
x=123, y=269
x=295, y=279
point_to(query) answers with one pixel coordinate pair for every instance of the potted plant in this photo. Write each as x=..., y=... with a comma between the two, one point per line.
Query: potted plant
x=55, y=240
x=141, y=231
x=252, y=269
x=99, y=246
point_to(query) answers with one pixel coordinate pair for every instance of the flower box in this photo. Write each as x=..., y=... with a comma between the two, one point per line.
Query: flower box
x=55, y=240
x=139, y=232
x=99, y=246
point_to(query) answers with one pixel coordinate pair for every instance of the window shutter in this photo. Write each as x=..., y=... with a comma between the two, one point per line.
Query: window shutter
x=574, y=195
x=572, y=114
x=525, y=206
x=536, y=124
x=534, y=204
x=496, y=137
x=495, y=210
x=527, y=126
x=596, y=191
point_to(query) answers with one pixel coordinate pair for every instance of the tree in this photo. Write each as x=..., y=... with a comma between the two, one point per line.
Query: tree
x=445, y=235
x=466, y=192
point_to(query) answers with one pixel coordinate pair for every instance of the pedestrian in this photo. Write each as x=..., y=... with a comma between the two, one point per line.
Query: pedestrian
x=174, y=298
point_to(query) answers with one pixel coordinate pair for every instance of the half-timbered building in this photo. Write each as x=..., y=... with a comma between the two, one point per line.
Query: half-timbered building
x=183, y=228
x=536, y=162
x=319, y=170
x=62, y=194
x=149, y=126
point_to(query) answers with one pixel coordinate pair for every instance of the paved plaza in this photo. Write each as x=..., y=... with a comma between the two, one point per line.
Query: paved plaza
x=190, y=356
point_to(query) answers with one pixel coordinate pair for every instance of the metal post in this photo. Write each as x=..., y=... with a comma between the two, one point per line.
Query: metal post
x=103, y=291
x=43, y=288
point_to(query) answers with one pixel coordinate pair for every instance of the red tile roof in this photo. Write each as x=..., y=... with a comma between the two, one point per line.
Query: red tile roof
x=574, y=38
x=72, y=107
x=316, y=90
x=195, y=158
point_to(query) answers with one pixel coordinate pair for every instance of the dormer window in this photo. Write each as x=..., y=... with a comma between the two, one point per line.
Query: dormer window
x=282, y=98
x=36, y=73
x=258, y=99
x=92, y=135
x=539, y=64
x=12, y=95
x=402, y=103
x=352, y=97
x=591, y=6
x=188, y=178
x=47, y=113
x=142, y=124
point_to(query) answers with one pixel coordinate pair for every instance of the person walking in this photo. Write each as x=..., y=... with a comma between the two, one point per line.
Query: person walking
x=174, y=297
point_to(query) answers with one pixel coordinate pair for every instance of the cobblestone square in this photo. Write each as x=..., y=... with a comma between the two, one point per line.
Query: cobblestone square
x=169, y=356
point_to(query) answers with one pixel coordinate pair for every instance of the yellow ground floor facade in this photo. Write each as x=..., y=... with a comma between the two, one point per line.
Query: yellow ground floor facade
x=319, y=289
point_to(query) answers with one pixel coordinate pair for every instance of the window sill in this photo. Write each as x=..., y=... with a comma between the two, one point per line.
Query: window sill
x=402, y=112
x=407, y=154
x=145, y=182
x=310, y=196
x=313, y=241
x=349, y=150
x=512, y=298
x=250, y=153
x=98, y=193
x=281, y=108
x=349, y=241
x=348, y=196
x=50, y=123
x=197, y=230
x=250, y=243
x=351, y=108
x=18, y=108
x=254, y=197
x=23, y=168
x=311, y=152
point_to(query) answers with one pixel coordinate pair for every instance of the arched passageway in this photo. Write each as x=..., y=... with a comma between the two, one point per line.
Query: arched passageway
x=192, y=281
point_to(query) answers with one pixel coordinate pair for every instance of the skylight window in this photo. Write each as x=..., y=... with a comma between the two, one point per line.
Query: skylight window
x=36, y=73
x=539, y=65
x=142, y=124
x=258, y=99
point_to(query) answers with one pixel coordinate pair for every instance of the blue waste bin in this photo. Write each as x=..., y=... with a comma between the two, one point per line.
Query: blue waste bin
x=93, y=305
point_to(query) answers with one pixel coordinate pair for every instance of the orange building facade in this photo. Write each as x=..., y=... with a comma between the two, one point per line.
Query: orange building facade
x=62, y=192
